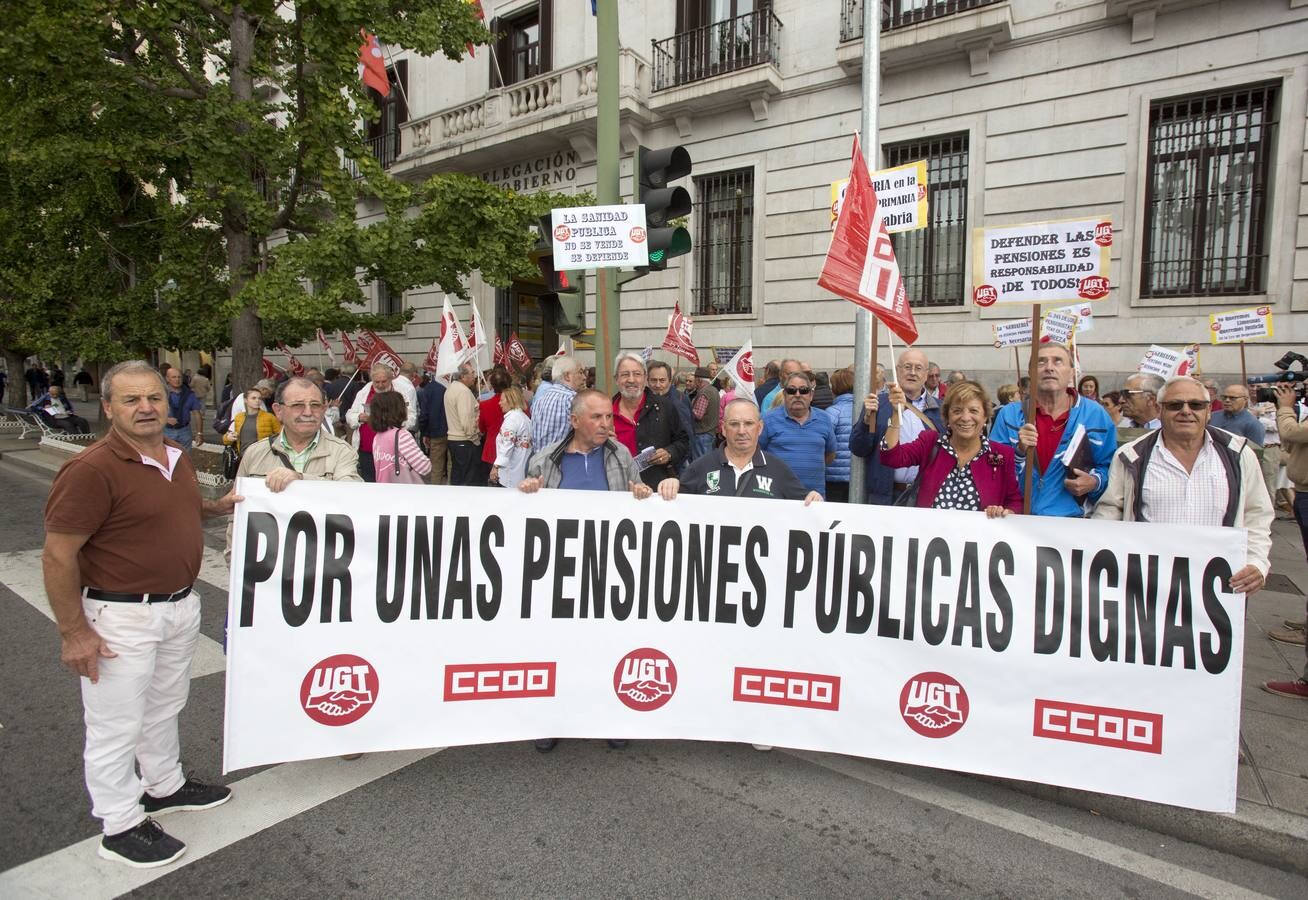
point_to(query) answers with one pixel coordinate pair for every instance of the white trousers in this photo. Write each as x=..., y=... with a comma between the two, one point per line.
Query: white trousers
x=131, y=712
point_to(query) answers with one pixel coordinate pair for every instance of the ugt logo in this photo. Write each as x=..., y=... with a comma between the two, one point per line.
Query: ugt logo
x=645, y=679
x=933, y=704
x=339, y=690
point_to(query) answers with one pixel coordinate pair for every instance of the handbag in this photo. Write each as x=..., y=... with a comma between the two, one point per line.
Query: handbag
x=909, y=497
x=231, y=461
x=399, y=472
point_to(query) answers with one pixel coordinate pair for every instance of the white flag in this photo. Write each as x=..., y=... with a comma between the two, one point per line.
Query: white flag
x=566, y=346
x=453, y=346
x=479, y=347
x=741, y=370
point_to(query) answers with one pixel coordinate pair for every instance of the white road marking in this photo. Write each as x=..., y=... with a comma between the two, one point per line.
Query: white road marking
x=20, y=571
x=258, y=802
x=1141, y=864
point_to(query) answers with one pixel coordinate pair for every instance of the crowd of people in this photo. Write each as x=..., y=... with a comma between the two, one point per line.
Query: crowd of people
x=129, y=624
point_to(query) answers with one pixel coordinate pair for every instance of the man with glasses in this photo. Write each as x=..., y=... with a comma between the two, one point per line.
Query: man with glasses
x=1235, y=416
x=1062, y=415
x=551, y=408
x=803, y=437
x=1140, y=400
x=1189, y=473
x=303, y=450
x=382, y=379
x=883, y=485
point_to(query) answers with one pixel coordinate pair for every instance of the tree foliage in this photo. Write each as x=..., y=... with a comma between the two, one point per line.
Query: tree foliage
x=173, y=176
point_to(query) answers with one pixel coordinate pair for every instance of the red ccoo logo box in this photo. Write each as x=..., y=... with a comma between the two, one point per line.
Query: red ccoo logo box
x=499, y=681
x=1104, y=726
x=781, y=688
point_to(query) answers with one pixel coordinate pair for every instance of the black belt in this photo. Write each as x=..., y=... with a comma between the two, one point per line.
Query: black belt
x=111, y=597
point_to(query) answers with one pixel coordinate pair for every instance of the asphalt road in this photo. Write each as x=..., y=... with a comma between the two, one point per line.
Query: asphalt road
x=662, y=819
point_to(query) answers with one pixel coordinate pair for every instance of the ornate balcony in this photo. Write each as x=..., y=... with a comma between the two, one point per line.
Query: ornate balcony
x=918, y=32
x=719, y=65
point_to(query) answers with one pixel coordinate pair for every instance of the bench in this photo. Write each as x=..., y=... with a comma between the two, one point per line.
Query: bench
x=31, y=422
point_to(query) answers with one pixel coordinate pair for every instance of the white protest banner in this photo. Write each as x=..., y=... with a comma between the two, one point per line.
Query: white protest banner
x=1161, y=361
x=1058, y=327
x=901, y=197
x=1104, y=656
x=1042, y=262
x=1013, y=333
x=599, y=237
x=1240, y=325
x=1085, y=316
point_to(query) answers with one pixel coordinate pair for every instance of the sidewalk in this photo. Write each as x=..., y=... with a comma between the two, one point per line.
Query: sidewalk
x=1271, y=819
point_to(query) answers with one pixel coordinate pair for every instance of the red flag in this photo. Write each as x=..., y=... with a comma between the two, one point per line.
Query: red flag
x=270, y=368
x=296, y=367
x=481, y=14
x=678, y=340
x=429, y=364
x=322, y=339
x=518, y=354
x=377, y=351
x=374, y=67
x=501, y=357
x=351, y=352
x=860, y=264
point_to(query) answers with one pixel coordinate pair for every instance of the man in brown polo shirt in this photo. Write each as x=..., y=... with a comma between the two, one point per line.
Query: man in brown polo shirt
x=123, y=547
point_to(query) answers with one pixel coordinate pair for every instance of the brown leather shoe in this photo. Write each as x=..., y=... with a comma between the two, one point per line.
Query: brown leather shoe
x=1287, y=636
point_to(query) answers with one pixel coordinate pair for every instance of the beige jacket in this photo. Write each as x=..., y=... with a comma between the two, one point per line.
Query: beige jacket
x=1294, y=445
x=1251, y=508
x=461, y=410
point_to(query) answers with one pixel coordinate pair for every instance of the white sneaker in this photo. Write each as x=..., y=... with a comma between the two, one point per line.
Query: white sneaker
x=763, y=747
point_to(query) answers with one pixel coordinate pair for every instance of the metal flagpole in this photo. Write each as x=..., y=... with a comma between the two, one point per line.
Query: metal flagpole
x=864, y=322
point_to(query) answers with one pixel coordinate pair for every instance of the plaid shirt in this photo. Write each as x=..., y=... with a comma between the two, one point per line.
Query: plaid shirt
x=551, y=414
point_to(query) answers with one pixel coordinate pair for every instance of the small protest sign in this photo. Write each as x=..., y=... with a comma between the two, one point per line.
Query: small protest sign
x=599, y=237
x=1042, y=262
x=1240, y=325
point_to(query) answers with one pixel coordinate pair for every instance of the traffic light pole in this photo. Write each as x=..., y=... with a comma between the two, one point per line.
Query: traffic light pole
x=608, y=317
x=865, y=347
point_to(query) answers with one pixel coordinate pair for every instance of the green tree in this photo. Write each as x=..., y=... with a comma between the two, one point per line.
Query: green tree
x=173, y=176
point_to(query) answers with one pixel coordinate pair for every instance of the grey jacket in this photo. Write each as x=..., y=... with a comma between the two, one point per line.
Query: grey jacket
x=619, y=468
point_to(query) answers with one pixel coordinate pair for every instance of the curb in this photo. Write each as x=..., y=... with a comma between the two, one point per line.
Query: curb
x=1271, y=836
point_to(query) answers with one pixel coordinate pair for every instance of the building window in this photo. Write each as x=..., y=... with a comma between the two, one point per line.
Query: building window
x=522, y=45
x=384, y=132
x=1206, y=202
x=714, y=37
x=931, y=260
x=723, y=216
x=390, y=302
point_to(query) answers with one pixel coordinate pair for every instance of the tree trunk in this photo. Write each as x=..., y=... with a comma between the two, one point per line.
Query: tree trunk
x=247, y=328
x=17, y=387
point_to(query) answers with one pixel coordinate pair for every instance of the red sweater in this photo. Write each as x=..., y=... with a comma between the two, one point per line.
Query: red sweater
x=993, y=471
x=489, y=419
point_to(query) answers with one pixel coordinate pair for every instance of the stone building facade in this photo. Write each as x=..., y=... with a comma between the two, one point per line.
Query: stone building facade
x=1184, y=121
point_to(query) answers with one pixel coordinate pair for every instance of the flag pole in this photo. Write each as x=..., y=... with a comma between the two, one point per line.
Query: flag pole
x=1031, y=374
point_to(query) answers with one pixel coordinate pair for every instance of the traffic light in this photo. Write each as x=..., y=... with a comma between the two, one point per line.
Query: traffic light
x=564, y=306
x=663, y=203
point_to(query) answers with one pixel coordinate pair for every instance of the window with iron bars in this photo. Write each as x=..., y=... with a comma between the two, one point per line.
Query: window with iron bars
x=931, y=260
x=723, y=215
x=1206, y=202
x=390, y=302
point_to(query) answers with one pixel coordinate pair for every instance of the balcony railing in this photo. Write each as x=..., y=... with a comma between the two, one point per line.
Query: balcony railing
x=898, y=13
x=385, y=148
x=717, y=49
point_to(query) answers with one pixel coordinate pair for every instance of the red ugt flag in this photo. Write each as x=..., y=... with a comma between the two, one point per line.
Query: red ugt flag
x=860, y=264
x=678, y=340
x=270, y=368
x=374, y=67
x=501, y=357
x=429, y=364
x=351, y=353
x=518, y=354
x=296, y=367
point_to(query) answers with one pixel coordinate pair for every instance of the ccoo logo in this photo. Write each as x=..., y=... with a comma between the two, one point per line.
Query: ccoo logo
x=933, y=704
x=339, y=690
x=645, y=679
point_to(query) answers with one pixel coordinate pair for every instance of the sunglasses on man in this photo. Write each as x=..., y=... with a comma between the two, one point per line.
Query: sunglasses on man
x=1178, y=405
x=803, y=392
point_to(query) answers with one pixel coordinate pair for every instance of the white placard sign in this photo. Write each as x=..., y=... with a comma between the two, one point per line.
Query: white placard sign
x=1161, y=361
x=1042, y=262
x=1013, y=333
x=1099, y=655
x=901, y=197
x=1058, y=326
x=1085, y=316
x=1240, y=325
x=599, y=237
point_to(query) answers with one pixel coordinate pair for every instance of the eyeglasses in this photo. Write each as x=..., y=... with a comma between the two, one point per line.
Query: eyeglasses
x=1134, y=391
x=803, y=392
x=299, y=408
x=1178, y=405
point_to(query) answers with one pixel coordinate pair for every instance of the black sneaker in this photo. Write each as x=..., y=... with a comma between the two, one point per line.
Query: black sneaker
x=191, y=795
x=617, y=743
x=144, y=847
x=545, y=745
